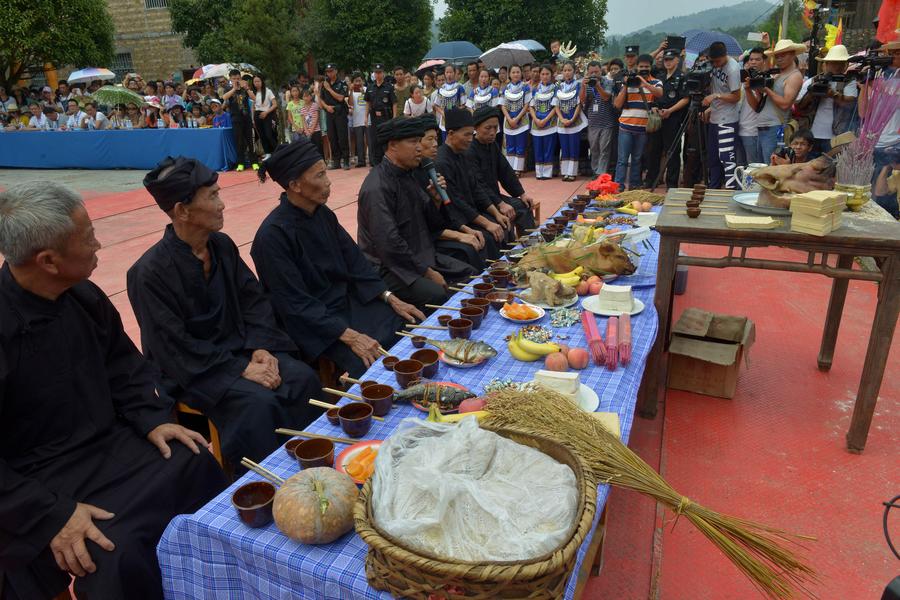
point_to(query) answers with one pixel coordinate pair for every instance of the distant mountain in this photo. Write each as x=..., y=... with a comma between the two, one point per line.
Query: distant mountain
x=724, y=17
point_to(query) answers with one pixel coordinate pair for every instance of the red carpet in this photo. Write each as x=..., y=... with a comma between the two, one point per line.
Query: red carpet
x=775, y=453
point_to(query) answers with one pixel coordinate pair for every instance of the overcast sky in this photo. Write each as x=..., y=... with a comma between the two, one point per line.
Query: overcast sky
x=625, y=16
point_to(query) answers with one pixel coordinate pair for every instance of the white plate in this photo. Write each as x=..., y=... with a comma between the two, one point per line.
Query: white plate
x=749, y=201
x=456, y=363
x=592, y=303
x=587, y=399
x=574, y=300
x=539, y=310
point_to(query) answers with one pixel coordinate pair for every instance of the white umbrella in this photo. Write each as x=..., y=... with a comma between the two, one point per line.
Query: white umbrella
x=530, y=45
x=90, y=74
x=505, y=55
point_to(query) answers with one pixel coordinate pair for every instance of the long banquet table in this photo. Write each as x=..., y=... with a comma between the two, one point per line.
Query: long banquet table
x=115, y=149
x=211, y=554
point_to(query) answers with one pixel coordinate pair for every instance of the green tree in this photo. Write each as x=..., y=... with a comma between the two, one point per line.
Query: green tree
x=487, y=23
x=62, y=32
x=358, y=34
x=264, y=33
x=202, y=23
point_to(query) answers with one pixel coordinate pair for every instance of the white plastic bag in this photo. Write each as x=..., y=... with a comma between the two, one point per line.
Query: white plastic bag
x=461, y=492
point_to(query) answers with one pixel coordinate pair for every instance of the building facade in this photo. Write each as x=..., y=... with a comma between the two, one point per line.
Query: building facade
x=144, y=40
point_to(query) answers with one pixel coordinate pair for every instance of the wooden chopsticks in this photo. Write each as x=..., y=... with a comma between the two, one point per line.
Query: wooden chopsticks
x=316, y=436
x=262, y=471
x=436, y=327
x=445, y=307
x=321, y=404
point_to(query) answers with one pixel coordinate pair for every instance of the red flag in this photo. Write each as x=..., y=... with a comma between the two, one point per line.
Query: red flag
x=888, y=21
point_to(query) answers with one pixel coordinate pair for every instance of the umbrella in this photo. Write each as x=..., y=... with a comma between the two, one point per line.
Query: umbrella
x=454, y=51
x=505, y=55
x=111, y=95
x=702, y=39
x=531, y=45
x=429, y=64
x=212, y=70
x=89, y=74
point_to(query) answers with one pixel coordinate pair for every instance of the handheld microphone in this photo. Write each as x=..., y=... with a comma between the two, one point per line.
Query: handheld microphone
x=428, y=165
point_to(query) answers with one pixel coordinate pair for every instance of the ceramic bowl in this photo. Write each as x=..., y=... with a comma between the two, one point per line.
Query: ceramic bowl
x=548, y=234
x=291, y=445
x=429, y=360
x=482, y=303
x=483, y=289
x=388, y=362
x=408, y=372
x=570, y=213
x=498, y=299
x=253, y=502
x=501, y=280
x=460, y=328
x=418, y=341
x=356, y=418
x=474, y=314
x=380, y=397
x=560, y=221
x=332, y=415
x=315, y=453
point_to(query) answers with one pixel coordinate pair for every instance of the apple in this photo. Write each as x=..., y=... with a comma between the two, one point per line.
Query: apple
x=595, y=288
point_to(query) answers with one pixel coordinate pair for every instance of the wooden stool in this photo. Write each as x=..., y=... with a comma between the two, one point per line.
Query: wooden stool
x=536, y=212
x=328, y=376
x=182, y=408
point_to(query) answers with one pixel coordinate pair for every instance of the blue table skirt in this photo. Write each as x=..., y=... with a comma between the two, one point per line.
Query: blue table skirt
x=115, y=149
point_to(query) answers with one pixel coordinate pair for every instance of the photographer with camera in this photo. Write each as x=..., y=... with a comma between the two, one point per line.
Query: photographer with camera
x=754, y=78
x=776, y=101
x=798, y=152
x=671, y=108
x=829, y=99
x=634, y=100
x=722, y=115
x=596, y=98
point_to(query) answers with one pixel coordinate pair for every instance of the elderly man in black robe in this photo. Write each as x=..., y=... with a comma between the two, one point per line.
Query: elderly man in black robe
x=398, y=222
x=205, y=320
x=327, y=296
x=493, y=170
x=89, y=476
x=470, y=204
x=465, y=244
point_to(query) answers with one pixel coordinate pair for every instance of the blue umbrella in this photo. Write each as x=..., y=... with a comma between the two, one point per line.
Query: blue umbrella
x=531, y=45
x=454, y=51
x=702, y=39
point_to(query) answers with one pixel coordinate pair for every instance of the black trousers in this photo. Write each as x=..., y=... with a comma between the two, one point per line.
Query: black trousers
x=524, y=216
x=462, y=252
x=376, y=150
x=242, y=130
x=376, y=320
x=126, y=475
x=249, y=413
x=265, y=126
x=315, y=138
x=338, y=138
x=359, y=135
x=420, y=292
x=657, y=145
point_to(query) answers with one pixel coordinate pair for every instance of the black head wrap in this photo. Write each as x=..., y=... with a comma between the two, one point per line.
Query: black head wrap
x=484, y=113
x=457, y=118
x=183, y=178
x=399, y=128
x=290, y=161
x=428, y=122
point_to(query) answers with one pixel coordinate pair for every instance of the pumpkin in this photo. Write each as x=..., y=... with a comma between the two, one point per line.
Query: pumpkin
x=315, y=506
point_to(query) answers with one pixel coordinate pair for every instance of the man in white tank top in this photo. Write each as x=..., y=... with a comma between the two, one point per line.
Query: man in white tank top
x=780, y=97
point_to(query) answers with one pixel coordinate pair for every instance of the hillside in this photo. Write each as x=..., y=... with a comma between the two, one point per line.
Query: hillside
x=722, y=18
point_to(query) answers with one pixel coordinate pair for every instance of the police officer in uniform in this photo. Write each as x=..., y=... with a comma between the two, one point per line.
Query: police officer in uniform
x=672, y=107
x=380, y=100
x=333, y=100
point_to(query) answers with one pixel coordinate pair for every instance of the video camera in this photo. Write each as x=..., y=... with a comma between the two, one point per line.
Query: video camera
x=759, y=79
x=819, y=87
x=631, y=77
x=786, y=152
x=870, y=63
x=698, y=79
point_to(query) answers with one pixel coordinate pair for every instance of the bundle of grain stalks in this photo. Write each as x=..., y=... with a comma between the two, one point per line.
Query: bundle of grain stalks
x=759, y=551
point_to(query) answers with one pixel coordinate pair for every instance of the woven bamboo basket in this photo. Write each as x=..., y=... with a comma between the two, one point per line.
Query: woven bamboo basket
x=407, y=574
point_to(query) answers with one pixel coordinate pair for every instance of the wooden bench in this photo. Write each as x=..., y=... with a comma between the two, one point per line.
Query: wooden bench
x=183, y=409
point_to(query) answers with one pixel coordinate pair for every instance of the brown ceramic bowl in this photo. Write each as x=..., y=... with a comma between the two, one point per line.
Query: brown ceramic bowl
x=560, y=221
x=315, y=453
x=332, y=415
x=498, y=299
x=483, y=289
x=580, y=205
x=487, y=278
x=356, y=418
x=501, y=280
x=429, y=360
x=583, y=197
x=291, y=445
x=368, y=383
x=693, y=212
x=418, y=341
x=460, y=328
x=472, y=313
x=408, y=372
x=482, y=303
x=692, y=203
x=570, y=213
x=253, y=502
x=548, y=234
x=380, y=397
x=444, y=319
x=388, y=362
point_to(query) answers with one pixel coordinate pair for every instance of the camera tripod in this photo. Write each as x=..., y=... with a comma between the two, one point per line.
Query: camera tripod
x=690, y=122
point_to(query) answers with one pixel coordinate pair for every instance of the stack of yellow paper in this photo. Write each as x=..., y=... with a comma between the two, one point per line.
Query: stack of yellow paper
x=817, y=212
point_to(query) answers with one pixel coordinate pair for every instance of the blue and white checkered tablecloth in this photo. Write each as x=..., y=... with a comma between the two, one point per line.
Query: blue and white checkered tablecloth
x=211, y=554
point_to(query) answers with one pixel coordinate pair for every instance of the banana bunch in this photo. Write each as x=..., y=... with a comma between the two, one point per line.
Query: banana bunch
x=525, y=350
x=435, y=416
x=571, y=279
x=626, y=210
